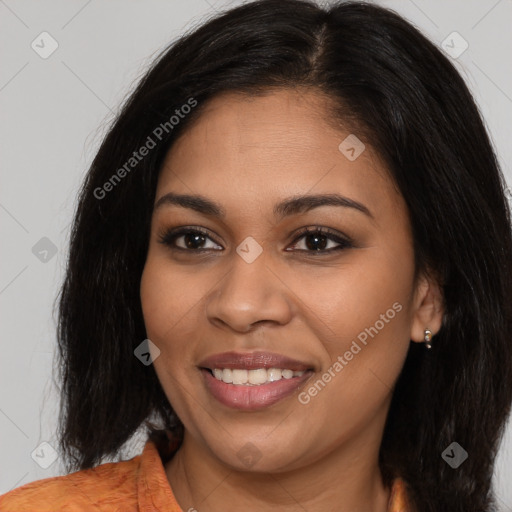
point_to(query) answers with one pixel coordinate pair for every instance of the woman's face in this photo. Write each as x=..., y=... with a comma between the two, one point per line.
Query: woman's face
x=319, y=324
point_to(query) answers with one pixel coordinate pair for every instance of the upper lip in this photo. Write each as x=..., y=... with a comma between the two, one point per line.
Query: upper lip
x=252, y=361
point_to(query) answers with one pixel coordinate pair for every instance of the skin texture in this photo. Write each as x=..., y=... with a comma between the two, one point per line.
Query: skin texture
x=247, y=154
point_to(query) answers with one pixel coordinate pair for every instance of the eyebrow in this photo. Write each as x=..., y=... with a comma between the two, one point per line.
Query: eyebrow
x=290, y=206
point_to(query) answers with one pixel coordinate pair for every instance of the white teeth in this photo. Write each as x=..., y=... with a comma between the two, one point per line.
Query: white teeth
x=240, y=377
x=257, y=376
x=274, y=374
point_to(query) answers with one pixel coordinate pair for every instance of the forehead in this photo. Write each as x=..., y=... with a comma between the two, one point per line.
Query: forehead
x=278, y=144
x=280, y=120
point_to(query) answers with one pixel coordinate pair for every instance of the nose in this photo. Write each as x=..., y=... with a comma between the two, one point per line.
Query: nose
x=249, y=293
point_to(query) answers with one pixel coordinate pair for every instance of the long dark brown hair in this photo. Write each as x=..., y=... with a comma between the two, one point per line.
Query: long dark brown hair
x=407, y=101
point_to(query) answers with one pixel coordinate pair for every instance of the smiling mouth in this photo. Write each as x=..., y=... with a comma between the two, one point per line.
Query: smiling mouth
x=243, y=395
x=252, y=381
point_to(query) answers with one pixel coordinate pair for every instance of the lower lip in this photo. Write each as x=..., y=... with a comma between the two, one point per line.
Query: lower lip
x=250, y=398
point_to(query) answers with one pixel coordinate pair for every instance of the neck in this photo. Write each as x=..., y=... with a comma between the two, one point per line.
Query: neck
x=345, y=479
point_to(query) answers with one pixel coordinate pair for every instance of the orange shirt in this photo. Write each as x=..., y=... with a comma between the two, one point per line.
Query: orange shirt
x=136, y=485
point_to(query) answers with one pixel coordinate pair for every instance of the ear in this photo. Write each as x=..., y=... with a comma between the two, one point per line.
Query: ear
x=428, y=308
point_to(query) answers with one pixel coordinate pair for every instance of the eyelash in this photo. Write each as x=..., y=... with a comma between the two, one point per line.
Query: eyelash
x=169, y=237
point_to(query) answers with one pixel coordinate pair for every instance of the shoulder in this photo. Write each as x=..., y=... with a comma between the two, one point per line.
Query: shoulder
x=400, y=500
x=105, y=488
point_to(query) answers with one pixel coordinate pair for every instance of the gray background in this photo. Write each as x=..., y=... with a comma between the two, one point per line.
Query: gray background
x=54, y=112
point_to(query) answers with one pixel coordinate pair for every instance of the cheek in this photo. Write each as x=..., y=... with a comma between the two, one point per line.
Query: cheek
x=167, y=304
x=157, y=300
x=361, y=365
x=168, y=307
x=169, y=298
x=348, y=300
x=364, y=329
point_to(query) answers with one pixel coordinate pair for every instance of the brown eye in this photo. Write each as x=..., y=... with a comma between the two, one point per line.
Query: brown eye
x=186, y=239
x=317, y=240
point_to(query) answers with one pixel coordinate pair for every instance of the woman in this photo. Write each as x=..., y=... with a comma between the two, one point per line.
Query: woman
x=291, y=261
